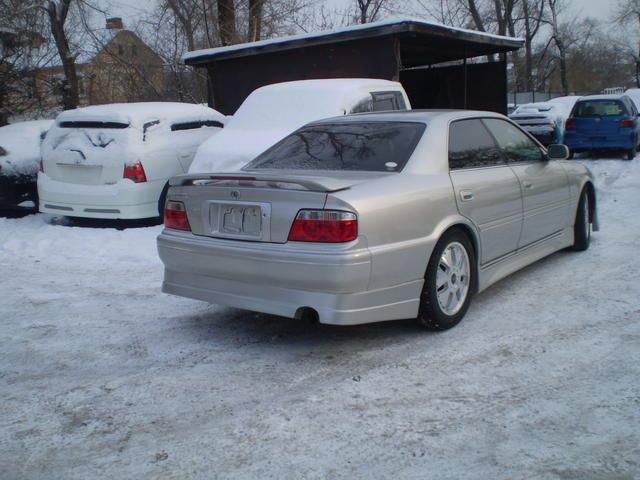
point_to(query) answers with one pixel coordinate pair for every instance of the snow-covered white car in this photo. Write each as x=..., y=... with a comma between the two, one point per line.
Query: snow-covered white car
x=272, y=112
x=19, y=160
x=114, y=161
x=634, y=95
x=545, y=120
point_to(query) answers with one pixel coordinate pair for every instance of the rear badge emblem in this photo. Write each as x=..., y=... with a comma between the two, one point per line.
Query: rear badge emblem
x=235, y=194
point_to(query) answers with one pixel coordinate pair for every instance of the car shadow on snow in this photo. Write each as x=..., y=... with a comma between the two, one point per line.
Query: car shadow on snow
x=104, y=223
x=246, y=328
x=602, y=155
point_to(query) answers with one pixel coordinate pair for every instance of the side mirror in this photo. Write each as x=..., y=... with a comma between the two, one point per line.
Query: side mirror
x=558, y=152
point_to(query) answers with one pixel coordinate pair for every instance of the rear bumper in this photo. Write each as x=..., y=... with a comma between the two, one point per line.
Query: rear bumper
x=281, y=279
x=577, y=142
x=121, y=200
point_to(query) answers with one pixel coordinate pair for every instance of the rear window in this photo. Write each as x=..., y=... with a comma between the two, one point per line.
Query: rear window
x=365, y=146
x=600, y=108
x=93, y=125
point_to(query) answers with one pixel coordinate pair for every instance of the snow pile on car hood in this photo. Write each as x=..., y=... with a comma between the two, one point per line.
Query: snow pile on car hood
x=20, y=147
x=272, y=112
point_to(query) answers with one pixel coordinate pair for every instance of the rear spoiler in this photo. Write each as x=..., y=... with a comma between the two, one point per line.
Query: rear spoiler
x=240, y=179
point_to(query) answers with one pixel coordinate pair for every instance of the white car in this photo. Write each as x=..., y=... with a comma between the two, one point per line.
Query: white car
x=545, y=120
x=634, y=95
x=272, y=112
x=114, y=161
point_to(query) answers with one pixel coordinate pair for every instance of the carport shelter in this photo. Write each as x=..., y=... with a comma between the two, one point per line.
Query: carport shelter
x=432, y=61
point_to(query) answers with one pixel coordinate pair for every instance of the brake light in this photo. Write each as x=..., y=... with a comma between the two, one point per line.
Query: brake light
x=175, y=216
x=135, y=173
x=41, y=167
x=326, y=226
x=570, y=125
x=627, y=123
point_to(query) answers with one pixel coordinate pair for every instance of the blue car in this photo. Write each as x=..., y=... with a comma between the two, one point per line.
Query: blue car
x=603, y=122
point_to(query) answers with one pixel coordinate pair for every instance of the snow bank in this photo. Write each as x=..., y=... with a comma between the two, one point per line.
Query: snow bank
x=21, y=142
x=272, y=112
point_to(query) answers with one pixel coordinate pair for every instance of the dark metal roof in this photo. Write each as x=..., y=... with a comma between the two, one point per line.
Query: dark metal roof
x=421, y=42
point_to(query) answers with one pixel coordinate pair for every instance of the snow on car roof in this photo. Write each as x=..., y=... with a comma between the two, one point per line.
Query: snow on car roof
x=471, y=34
x=617, y=96
x=137, y=113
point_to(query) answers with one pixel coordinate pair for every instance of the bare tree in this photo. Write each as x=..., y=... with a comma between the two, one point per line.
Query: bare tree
x=255, y=20
x=58, y=11
x=227, y=22
x=629, y=16
x=368, y=10
x=555, y=7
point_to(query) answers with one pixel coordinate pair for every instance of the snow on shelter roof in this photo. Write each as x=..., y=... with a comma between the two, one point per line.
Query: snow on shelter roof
x=137, y=113
x=423, y=42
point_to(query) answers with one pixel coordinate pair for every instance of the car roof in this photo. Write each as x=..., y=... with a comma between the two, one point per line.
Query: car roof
x=619, y=96
x=136, y=113
x=422, y=116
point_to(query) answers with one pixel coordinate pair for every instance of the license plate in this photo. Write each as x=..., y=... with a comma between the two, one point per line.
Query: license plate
x=241, y=219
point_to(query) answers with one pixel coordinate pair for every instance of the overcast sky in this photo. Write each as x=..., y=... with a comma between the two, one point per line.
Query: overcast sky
x=594, y=8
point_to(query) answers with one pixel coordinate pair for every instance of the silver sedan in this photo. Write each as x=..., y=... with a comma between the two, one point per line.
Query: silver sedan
x=376, y=217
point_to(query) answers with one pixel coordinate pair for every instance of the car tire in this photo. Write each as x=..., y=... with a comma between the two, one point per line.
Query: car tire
x=571, y=155
x=161, y=201
x=630, y=154
x=582, y=226
x=440, y=310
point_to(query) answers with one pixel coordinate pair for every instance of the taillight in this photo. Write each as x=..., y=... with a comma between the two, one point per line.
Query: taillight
x=570, y=125
x=627, y=123
x=135, y=172
x=41, y=168
x=327, y=226
x=175, y=216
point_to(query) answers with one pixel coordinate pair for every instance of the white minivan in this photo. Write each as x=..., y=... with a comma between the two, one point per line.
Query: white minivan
x=114, y=161
x=272, y=112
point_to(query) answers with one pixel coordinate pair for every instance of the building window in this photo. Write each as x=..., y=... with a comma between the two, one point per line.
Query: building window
x=134, y=50
x=120, y=50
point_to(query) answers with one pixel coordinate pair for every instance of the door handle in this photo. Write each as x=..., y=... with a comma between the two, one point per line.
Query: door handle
x=528, y=185
x=466, y=195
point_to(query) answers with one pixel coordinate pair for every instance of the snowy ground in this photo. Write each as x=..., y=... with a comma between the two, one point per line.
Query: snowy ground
x=103, y=376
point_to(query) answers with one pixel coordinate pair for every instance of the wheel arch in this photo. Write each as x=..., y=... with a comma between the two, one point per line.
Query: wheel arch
x=591, y=192
x=469, y=230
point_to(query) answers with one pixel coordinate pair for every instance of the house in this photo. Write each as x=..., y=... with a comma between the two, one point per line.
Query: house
x=439, y=66
x=115, y=66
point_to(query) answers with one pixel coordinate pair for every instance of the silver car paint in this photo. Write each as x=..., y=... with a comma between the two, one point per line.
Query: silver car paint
x=401, y=216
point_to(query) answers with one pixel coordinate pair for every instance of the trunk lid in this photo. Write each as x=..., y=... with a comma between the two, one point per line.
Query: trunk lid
x=89, y=155
x=254, y=206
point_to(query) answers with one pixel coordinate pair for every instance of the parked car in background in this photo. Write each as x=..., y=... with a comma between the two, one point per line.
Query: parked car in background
x=545, y=120
x=272, y=112
x=375, y=217
x=114, y=161
x=634, y=95
x=19, y=161
x=603, y=122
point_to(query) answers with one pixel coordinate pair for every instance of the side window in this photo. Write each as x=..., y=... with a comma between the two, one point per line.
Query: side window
x=385, y=101
x=380, y=102
x=363, y=106
x=471, y=145
x=515, y=144
x=195, y=125
x=146, y=127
